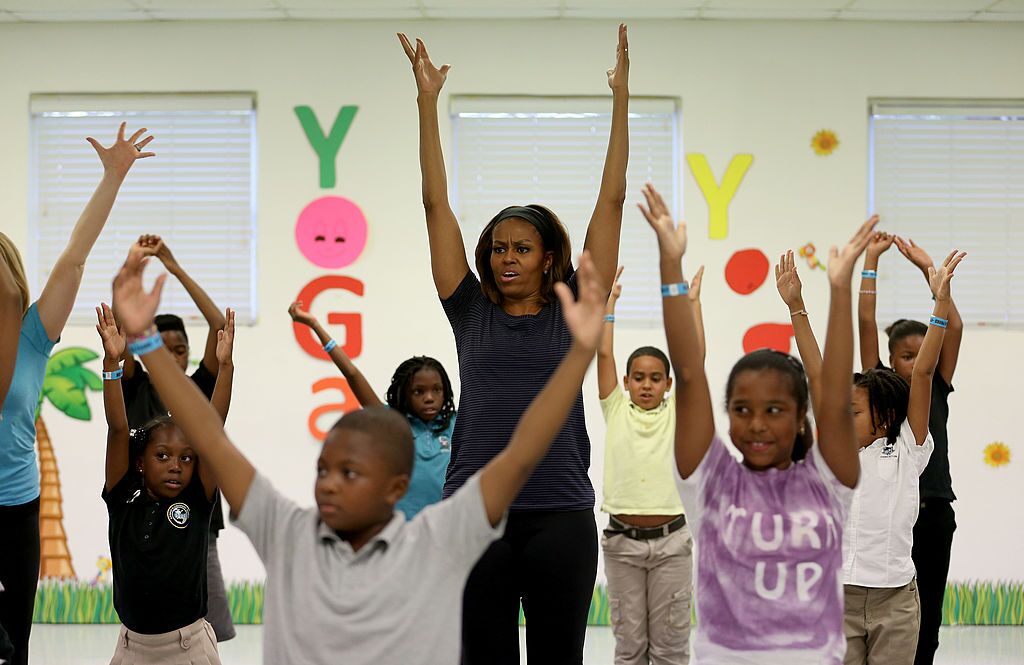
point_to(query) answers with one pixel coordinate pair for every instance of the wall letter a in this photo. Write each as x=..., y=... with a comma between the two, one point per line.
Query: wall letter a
x=326, y=147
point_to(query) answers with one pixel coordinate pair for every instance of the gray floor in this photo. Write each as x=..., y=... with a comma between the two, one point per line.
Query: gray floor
x=93, y=645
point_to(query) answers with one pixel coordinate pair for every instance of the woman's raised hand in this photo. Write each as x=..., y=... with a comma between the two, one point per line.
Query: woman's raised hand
x=618, y=76
x=118, y=158
x=841, y=262
x=429, y=79
x=671, y=238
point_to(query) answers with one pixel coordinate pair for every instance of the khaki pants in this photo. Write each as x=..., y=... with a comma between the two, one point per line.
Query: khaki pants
x=194, y=644
x=881, y=625
x=650, y=583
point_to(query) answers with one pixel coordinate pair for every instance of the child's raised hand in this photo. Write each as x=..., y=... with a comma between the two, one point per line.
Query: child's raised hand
x=671, y=238
x=118, y=158
x=914, y=254
x=938, y=280
x=429, y=79
x=787, y=281
x=616, y=292
x=841, y=262
x=226, y=339
x=585, y=316
x=880, y=242
x=113, y=339
x=300, y=315
x=134, y=306
x=695, y=283
x=618, y=76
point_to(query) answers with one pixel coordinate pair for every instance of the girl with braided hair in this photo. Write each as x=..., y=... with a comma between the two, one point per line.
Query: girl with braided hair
x=420, y=390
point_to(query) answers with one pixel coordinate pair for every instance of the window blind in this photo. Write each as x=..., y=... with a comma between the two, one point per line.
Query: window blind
x=520, y=150
x=951, y=175
x=197, y=193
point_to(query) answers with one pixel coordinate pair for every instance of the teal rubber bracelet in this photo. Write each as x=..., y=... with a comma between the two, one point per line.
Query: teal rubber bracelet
x=146, y=344
x=680, y=289
x=329, y=346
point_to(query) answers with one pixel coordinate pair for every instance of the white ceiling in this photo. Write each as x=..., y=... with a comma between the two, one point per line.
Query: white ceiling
x=240, y=10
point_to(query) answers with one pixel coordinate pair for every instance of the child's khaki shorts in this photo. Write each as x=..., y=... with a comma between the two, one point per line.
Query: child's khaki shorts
x=194, y=644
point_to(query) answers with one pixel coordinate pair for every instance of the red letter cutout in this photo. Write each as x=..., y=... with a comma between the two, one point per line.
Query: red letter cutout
x=353, y=322
x=350, y=403
x=768, y=336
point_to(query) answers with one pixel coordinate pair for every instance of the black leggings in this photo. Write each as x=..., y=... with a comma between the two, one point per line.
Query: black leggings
x=933, y=540
x=19, y=573
x=549, y=560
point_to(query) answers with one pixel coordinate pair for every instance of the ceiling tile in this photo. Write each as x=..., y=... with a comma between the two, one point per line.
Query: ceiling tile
x=631, y=8
x=217, y=14
x=71, y=15
x=1008, y=6
x=777, y=5
x=906, y=16
x=490, y=12
x=998, y=16
x=189, y=5
x=929, y=6
x=345, y=5
x=503, y=5
x=366, y=13
x=64, y=5
x=630, y=13
x=769, y=14
x=4, y=16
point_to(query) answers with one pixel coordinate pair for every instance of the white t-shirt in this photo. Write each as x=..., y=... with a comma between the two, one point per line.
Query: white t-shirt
x=880, y=528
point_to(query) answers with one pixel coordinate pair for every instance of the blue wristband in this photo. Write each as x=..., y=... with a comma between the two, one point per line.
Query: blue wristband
x=869, y=274
x=329, y=346
x=680, y=289
x=938, y=322
x=609, y=318
x=113, y=376
x=141, y=347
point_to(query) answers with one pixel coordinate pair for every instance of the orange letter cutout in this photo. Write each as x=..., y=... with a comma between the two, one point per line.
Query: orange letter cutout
x=353, y=322
x=350, y=403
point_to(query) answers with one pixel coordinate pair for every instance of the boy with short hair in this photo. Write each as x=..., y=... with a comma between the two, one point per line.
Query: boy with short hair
x=354, y=582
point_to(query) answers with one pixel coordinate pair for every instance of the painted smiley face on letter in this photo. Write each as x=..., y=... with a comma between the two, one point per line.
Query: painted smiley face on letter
x=331, y=232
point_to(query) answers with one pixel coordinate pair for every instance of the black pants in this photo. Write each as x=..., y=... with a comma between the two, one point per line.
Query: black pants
x=933, y=540
x=19, y=573
x=549, y=560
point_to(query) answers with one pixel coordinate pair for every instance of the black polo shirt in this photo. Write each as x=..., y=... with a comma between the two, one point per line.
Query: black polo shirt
x=142, y=403
x=159, y=554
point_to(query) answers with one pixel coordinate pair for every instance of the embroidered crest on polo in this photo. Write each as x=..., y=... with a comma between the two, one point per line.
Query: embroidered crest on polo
x=445, y=443
x=178, y=515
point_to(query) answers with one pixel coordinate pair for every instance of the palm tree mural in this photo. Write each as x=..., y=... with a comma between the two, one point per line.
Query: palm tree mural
x=64, y=386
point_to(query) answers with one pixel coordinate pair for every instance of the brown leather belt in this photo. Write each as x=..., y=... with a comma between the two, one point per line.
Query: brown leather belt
x=620, y=528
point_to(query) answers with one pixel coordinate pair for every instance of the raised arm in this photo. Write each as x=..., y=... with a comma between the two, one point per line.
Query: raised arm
x=919, y=408
x=606, y=222
x=693, y=397
x=361, y=387
x=505, y=475
x=221, y=397
x=213, y=315
x=838, y=443
x=58, y=296
x=950, y=353
x=698, y=311
x=113, y=399
x=447, y=250
x=192, y=412
x=791, y=289
x=607, y=375
x=867, y=324
x=11, y=311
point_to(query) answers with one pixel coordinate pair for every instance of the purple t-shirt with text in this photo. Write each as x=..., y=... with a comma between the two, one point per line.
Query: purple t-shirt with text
x=769, y=560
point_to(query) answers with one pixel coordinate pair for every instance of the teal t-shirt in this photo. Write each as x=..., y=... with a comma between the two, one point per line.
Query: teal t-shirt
x=433, y=450
x=19, y=472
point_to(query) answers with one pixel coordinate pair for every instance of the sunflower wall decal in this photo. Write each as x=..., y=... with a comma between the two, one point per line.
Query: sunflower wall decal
x=825, y=142
x=997, y=454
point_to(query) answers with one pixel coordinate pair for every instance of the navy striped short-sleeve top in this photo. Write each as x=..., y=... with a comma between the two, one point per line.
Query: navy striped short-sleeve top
x=504, y=362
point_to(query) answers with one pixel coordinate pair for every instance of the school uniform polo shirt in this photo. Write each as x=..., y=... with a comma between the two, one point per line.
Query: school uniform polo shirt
x=433, y=452
x=158, y=547
x=880, y=526
x=398, y=600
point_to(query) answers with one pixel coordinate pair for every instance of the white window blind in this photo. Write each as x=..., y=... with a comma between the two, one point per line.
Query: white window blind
x=197, y=193
x=951, y=175
x=521, y=150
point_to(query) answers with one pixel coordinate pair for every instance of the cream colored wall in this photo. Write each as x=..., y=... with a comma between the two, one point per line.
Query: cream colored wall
x=762, y=88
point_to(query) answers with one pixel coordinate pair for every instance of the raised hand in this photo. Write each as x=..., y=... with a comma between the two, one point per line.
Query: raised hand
x=226, y=339
x=118, y=158
x=300, y=315
x=429, y=79
x=618, y=76
x=585, y=316
x=616, y=292
x=113, y=339
x=134, y=306
x=938, y=280
x=841, y=262
x=914, y=254
x=671, y=238
x=880, y=242
x=695, y=283
x=787, y=281
x=163, y=252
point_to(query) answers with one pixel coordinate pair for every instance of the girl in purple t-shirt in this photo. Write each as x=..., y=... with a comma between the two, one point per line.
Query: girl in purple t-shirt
x=768, y=531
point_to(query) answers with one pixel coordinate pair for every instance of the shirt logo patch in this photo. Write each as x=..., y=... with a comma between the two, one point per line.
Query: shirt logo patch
x=445, y=442
x=888, y=450
x=178, y=515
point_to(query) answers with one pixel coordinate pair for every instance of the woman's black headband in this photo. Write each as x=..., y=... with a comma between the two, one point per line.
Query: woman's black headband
x=537, y=219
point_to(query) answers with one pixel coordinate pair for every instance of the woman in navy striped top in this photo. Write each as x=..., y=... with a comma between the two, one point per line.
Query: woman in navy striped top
x=510, y=335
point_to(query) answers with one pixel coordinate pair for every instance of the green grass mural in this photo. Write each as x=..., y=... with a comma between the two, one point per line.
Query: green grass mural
x=58, y=601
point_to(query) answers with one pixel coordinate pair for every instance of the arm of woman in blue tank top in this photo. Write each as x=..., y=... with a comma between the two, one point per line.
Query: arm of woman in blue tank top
x=58, y=296
x=693, y=397
x=950, y=353
x=867, y=323
x=606, y=223
x=505, y=475
x=196, y=417
x=11, y=311
x=837, y=441
x=607, y=374
x=447, y=250
x=357, y=381
x=113, y=399
x=919, y=408
x=787, y=281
